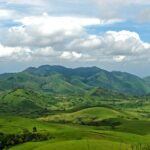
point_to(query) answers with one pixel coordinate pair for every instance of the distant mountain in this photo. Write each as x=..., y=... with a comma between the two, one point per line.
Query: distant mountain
x=121, y=82
x=100, y=92
x=47, y=70
x=62, y=80
x=147, y=79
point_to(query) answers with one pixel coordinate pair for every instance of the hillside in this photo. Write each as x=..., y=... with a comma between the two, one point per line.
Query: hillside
x=66, y=109
x=61, y=80
x=89, y=116
x=20, y=101
x=147, y=79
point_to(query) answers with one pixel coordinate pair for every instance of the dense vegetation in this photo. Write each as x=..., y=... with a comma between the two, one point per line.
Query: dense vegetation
x=61, y=80
x=9, y=140
x=53, y=107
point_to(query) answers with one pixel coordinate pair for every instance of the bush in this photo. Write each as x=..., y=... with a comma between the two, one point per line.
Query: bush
x=8, y=140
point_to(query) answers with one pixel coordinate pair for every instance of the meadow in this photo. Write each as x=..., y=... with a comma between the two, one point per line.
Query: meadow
x=130, y=133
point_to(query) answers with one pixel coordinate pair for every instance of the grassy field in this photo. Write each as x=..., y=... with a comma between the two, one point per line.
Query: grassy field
x=105, y=125
x=73, y=136
x=75, y=145
x=97, y=112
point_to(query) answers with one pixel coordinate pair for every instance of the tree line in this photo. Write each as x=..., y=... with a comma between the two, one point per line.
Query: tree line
x=9, y=140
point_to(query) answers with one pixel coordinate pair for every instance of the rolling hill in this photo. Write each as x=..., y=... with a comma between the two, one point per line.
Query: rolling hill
x=88, y=116
x=21, y=101
x=24, y=101
x=81, y=107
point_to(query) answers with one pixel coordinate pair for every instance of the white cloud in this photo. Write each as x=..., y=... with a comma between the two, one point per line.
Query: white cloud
x=62, y=34
x=123, y=35
x=119, y=58
x=48, y=51
x=103, y=8
x=125, y=42
x=14, y=53
x=66, y=38
x=27, y=54
x=7, y=14
x=65, y=21
x=113, y=46
x=70, y=55
x=92, y=41
x=38, y=31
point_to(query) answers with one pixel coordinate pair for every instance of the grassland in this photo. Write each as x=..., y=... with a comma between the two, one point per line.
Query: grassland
x=74, y=136
x=75, y=145
x=99, y=120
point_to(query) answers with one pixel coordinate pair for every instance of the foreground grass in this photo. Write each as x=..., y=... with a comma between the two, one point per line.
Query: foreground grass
x=74, y=145
x=79, y=137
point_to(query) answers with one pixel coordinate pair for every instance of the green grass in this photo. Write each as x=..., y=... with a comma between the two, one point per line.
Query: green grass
x=86, y=115
x=14, y=124
x=135, y=126
x=68, y=105
x=75, y=145
x=77, y=137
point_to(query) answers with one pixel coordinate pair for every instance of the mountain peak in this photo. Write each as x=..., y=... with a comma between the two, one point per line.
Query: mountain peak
x=30, y=69
x=59, y=79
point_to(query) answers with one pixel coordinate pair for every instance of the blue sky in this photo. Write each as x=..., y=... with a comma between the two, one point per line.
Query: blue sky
x=113, y=35
x=143, y=29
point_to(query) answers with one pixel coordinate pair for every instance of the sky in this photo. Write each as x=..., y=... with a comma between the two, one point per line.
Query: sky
x=112, y=35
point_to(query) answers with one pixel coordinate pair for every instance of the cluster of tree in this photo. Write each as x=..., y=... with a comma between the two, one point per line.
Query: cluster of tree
x=108, y=122
x=8, y=140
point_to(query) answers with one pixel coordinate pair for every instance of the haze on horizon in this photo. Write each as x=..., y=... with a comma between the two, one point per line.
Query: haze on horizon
x=113, y=35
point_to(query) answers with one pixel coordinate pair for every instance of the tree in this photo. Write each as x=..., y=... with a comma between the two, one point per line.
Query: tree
x=34, y=129
x=114, y=124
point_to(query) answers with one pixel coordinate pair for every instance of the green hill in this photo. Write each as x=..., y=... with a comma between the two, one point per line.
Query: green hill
x=89, y=116
x=82, y=108
x=20, y=101
x=61, y=80
x=25, y=101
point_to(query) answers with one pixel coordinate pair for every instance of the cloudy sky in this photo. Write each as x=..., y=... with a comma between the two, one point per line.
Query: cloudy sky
x=113, y=35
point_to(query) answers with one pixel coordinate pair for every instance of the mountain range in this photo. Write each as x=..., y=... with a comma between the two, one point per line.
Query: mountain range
x=62, y=80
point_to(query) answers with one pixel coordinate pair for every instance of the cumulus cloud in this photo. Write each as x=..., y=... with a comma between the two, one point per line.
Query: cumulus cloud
x=70, y=55
x=112, y=46
x=14, y=53
x=26, y=54
x=44, y=52
x=124, y=42
x=38, y=31
x=119, y=58
x=48, y=37
x=91, y=41
x=117, y=46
